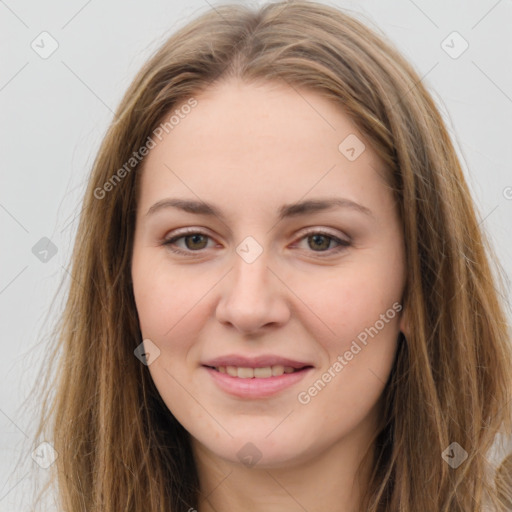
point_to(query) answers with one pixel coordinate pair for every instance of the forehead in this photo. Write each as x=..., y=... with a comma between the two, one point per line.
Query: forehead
x=243, y=139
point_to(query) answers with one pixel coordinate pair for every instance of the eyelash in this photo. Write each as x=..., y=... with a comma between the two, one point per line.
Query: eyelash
x=343, y=244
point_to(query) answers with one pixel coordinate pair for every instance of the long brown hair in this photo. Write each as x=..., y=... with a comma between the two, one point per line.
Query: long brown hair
x=119, y=446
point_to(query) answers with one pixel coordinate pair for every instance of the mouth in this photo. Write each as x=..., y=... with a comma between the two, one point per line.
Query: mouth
x=256, y=378
x=259, y=372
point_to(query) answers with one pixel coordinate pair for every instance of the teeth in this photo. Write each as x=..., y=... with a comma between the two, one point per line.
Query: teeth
x=260, y=373
x=277, y=370
x=245, y=373
x=231, y=370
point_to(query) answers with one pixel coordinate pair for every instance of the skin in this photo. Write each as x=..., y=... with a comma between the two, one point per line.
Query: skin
x=249, y=149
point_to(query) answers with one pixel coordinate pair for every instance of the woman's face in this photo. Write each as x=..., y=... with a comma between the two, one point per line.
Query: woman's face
x=277, y=321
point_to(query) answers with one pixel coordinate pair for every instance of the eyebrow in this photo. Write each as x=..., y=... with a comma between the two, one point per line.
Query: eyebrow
x=285, y=211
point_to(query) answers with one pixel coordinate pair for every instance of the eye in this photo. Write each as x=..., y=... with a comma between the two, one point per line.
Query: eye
x=322, y=240
x=195, y=241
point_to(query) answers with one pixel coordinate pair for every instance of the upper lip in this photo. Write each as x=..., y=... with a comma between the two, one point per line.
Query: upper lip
x=254, y=362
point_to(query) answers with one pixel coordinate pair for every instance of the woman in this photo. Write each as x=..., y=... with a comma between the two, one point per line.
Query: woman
x=334, y=342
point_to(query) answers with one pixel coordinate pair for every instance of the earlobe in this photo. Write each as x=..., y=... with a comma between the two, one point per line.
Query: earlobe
x=404, y=324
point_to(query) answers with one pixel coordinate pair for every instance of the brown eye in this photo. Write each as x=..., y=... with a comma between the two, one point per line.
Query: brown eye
x=194, y=242
x=320, y=242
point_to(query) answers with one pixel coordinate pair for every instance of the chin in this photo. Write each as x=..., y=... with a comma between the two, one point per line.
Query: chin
x=259, y=450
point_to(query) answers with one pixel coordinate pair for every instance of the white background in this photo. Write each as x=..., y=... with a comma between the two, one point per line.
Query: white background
x=55, y=111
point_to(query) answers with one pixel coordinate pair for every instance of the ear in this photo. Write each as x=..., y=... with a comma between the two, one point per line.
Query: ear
x=404, y=323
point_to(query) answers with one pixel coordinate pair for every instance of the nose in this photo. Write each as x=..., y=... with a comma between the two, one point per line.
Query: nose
x=253, y=297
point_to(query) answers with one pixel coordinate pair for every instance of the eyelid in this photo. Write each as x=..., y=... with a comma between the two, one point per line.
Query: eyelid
x=323, y=231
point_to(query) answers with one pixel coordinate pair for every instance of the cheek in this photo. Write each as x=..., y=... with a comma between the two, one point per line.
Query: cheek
x=173, y=309
x=359, y=356
x=360, y=313
x=163, y=299
x=348, y=303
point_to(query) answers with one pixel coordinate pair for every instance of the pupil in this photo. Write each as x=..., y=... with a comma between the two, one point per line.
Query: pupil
x=315, y=237
x=194, y=238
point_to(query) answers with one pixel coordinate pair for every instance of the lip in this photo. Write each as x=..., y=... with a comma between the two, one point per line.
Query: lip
x=255, y=387
x=254, y=362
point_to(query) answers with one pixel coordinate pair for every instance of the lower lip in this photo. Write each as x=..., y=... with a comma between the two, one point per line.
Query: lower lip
x=256, y=387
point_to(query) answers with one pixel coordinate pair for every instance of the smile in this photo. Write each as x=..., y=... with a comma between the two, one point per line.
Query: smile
x=252, y=383
x=264, y=372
